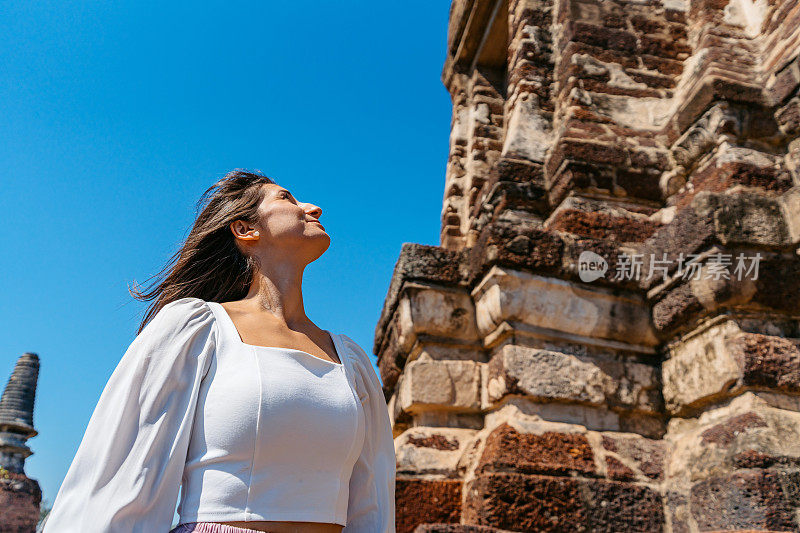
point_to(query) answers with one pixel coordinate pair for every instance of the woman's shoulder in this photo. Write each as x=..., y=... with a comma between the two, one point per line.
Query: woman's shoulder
x=355, y=351
x=180, y=314
x=361, y=362
x=184, y=305
x=187, y=302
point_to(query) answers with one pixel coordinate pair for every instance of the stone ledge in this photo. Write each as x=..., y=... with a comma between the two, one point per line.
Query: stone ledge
x=681, y=303
x=724, y=361
x=432, y=451
x=444, y=385
x=747, y=433
x=552, y=303
x=434, y=311
x=556, y=376
x=417, y=262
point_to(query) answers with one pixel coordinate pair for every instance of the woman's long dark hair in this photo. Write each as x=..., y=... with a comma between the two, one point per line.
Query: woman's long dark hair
x=209, y=265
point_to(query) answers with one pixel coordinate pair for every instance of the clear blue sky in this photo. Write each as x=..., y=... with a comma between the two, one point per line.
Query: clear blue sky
x=116, y=116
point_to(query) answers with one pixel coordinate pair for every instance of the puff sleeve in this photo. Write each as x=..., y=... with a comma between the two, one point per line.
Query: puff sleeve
x=129, y=465
x=371, y=503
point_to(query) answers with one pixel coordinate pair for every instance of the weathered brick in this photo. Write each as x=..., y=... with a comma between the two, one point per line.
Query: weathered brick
x=769, y=361
x=747, y=500
x=419, y=501
x=545, y=503
x=602, y=226
x=508, y=450
x=600, y=36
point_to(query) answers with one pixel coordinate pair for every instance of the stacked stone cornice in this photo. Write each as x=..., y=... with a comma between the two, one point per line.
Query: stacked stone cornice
x=526, y=397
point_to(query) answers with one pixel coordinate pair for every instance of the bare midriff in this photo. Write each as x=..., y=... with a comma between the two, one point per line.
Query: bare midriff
x=287, y=527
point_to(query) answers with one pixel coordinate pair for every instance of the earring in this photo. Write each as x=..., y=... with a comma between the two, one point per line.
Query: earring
x=256, y=233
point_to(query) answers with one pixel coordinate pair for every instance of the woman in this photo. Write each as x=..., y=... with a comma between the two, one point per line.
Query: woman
x=229, y=392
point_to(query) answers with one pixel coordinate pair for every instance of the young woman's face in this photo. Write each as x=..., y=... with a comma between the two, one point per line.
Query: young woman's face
x=286, y=220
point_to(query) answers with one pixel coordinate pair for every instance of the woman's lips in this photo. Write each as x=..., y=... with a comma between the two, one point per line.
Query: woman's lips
x=318, y=222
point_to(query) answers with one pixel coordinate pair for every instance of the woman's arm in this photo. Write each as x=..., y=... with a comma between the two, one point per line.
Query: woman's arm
x=127, y=471
x=371, y=505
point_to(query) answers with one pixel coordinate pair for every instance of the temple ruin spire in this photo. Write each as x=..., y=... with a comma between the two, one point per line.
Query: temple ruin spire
x=16, y=413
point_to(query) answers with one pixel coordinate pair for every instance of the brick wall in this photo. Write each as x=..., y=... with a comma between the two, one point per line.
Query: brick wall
x=661, y=136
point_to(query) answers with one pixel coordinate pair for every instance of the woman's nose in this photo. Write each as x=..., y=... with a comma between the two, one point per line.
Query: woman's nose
x=314, y=210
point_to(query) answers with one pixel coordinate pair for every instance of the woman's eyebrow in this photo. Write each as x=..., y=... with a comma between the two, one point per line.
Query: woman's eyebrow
x=277, y=192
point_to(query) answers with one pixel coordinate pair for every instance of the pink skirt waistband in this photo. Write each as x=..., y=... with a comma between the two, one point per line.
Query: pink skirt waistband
x=210, y=527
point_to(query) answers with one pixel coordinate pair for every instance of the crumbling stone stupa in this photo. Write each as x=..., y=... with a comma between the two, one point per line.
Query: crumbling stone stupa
x=607, y=337
x=20, y=496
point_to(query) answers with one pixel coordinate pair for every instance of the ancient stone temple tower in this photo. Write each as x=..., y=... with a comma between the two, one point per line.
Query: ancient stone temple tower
x=608, y=336
x=20, y=496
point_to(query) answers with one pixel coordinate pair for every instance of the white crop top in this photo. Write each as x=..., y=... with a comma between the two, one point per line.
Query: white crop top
x=248, y=432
